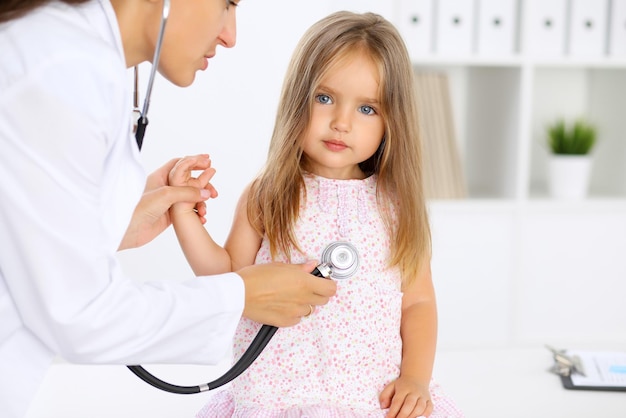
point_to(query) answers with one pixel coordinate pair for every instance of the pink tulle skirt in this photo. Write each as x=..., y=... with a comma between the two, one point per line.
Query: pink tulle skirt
x=222, y=405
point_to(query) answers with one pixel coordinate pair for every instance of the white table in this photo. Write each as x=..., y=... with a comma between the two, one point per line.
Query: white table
x=486, y=383
x=515, y=383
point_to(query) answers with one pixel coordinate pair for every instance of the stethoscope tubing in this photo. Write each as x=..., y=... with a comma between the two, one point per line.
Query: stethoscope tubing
x=261, y=340
x=257, y=345
x=142, y=123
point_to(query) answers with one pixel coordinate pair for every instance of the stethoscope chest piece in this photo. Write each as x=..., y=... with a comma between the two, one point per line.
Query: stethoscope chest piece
x=343, y=259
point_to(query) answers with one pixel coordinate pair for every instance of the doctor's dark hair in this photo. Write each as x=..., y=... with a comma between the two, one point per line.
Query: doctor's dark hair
x=274, y=196
x=12, y=9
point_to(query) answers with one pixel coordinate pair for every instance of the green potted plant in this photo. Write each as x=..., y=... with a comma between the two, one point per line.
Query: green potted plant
x=570, y=160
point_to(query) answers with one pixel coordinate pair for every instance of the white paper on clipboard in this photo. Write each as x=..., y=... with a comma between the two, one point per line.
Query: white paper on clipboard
x=602, y=369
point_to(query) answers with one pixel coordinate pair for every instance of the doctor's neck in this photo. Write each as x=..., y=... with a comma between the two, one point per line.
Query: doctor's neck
x=135, y=19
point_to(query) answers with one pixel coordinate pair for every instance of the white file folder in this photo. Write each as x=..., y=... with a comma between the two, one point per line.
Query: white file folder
x=455, y=23
x=546, y=27
x=415, y=23
x=496, y=27
x=617, y=32
x=588, y=27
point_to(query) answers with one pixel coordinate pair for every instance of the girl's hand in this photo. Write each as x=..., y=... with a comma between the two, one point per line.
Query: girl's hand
x=151, y=215
x=181, y=174
x=406, y=398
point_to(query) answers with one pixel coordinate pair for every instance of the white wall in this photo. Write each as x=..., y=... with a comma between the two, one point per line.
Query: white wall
x=502, y=268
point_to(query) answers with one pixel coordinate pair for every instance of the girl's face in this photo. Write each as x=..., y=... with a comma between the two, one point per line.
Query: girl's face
x=346, y=127
x=193, y=31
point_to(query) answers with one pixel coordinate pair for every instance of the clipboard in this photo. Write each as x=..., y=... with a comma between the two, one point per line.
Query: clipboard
x=568, y=384
x=590, y=370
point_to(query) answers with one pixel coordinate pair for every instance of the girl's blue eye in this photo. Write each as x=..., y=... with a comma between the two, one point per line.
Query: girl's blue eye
x=323, y=99
x=367, y=110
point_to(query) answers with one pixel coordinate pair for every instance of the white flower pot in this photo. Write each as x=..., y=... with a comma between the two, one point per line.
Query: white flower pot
x=568, y=176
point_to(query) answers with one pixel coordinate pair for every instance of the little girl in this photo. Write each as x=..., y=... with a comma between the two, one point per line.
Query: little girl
x=344, y=165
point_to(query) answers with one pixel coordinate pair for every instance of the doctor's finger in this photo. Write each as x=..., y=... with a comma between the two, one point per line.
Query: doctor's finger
x=321, y=287
x=316, y=300
x=159, y=177
x=201, y=209
x=212, y=190
x=187, y=194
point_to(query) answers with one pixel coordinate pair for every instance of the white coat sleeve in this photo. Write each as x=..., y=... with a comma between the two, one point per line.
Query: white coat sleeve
x=57, y=249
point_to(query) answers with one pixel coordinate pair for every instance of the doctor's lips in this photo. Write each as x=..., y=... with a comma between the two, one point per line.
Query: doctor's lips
x=335, y=145
x=207, y=57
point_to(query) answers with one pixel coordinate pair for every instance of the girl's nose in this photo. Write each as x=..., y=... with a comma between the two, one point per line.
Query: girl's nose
x=341, y=120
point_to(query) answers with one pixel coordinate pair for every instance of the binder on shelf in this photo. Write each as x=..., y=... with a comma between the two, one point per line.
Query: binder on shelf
x=546, y=27
x=454, y=27
x=496, y=27
x=588, y=28
x=415, y=23
x=617, y=31
x=590, y=370
x=443, y=174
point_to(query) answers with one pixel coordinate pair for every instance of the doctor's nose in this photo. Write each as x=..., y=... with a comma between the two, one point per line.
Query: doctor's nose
x=228, y=36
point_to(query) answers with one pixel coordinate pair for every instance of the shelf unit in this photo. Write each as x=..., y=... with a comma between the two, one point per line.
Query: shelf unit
x=501, y=108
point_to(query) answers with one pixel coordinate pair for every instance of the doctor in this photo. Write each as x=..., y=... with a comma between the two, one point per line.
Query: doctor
x=73, y=192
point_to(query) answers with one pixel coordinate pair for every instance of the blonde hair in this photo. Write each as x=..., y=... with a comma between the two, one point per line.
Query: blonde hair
x=274, y=198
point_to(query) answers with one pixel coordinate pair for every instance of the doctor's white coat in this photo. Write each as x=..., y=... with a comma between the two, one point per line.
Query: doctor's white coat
x=69, y=181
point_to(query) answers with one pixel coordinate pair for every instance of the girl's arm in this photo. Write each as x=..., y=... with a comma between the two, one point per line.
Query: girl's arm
x=419, y=328
x=203, y=254
x=410, y=392
x=244, y=241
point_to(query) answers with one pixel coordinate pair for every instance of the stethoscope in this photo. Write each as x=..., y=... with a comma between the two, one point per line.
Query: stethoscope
x=142, y=116
x=340, y=259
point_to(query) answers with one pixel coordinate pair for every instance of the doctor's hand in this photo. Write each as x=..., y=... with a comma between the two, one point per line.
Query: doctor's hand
x=151, y=216
x=406, y=398
x=282, y=294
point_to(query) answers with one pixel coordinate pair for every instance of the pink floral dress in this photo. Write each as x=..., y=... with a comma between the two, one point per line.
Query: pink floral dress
x=335, y=362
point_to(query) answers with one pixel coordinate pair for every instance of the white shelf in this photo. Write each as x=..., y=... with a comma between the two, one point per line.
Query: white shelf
x=578, y=62
x=468, y=61
x=501, y=109
x=502, y=102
